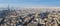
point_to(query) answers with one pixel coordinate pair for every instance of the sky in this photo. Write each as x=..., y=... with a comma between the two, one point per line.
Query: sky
x=30, y=3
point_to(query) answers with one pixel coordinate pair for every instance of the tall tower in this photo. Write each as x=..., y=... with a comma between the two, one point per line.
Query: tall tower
x=8, y=7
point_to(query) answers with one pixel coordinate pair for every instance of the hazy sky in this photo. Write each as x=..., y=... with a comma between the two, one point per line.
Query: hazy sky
x=30, y=3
